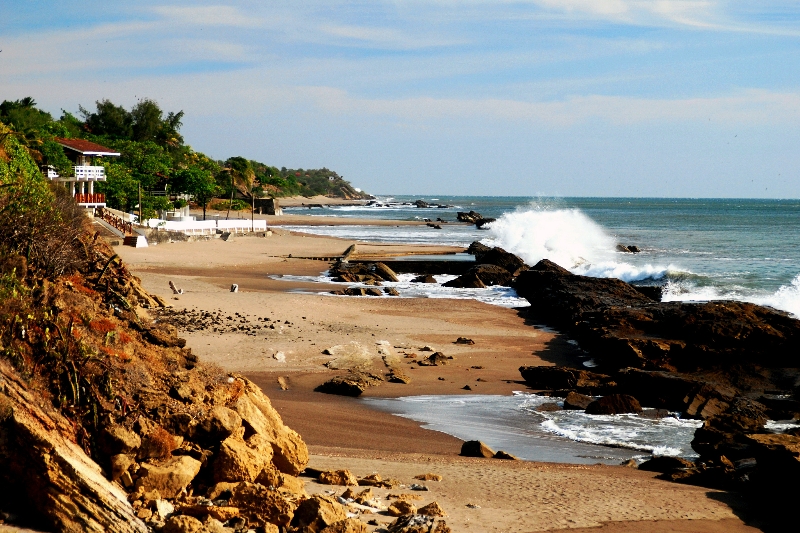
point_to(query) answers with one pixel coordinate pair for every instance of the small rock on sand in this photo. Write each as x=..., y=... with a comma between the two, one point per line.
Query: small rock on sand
x=428, y=477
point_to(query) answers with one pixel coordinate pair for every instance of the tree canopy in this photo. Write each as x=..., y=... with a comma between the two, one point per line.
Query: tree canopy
x=155, y=157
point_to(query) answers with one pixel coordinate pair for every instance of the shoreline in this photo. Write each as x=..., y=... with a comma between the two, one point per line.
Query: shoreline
x=342, y=432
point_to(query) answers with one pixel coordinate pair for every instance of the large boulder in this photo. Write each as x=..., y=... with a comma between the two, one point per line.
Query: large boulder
x=337, y=477
x=472, y=216
x=115, y=439
x=317, y=513
x=261, y=505
x=219, y=424
x=170, y=477
x=290, y=454
x=352, y=384
x=48, y=476
x=614, y=404
x=577, y=401
x=726, y=434
x=476, y=448
x=401, y=507
x=182, y=524
x=499, y=257
x=478, y=249
x=238, y=460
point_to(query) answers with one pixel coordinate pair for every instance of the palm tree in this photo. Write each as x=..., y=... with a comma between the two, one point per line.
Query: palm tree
x=242, y=174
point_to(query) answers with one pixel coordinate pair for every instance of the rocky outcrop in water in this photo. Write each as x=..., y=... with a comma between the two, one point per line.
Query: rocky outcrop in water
x=713, y=360
x=621, y=327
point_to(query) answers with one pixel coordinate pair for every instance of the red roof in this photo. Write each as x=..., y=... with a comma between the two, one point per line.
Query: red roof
x=86, y=147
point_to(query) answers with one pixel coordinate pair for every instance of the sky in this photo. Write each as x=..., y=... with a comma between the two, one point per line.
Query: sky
x=641, y=98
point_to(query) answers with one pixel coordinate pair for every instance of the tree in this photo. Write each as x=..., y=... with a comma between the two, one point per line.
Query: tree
x=23, y=116
x=149, y=163
x=198, y=182
x=242, y=174
x=109, y=120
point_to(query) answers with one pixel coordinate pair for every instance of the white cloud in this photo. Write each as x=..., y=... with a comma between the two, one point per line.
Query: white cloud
x=384, y=37
x=696, y=13
x=220, y=15
x=750, y=106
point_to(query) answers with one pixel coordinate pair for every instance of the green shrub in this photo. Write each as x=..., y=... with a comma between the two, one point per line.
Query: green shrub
x=236, y=205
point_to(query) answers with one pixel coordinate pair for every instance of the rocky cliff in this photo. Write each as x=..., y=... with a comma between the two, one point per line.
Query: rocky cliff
x=109, y=423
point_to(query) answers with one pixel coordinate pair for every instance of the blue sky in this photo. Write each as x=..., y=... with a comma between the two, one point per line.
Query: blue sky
x=684, y=98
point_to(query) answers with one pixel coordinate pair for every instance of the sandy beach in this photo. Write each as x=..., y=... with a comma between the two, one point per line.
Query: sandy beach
x=479, y=495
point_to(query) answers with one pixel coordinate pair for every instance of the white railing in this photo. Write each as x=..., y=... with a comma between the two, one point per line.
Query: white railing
x=51, y=173
x=86, y=172
x=241, y=225
x=207, y=227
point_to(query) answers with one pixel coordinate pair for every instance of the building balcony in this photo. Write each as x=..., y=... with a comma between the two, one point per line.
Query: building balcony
x=79, y=173
x=97, y=199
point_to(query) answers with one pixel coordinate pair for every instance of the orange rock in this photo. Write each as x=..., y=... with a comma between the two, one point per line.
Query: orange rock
x=337, y=477
x=401, y=507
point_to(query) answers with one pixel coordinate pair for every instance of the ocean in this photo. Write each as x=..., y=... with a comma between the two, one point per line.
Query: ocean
x=697, y=249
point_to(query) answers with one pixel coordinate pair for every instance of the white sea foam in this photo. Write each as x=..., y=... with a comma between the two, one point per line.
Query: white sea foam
x=663, y=436
x=513, y=424
x=568, y=238
x=786, y=298
x=495, y=295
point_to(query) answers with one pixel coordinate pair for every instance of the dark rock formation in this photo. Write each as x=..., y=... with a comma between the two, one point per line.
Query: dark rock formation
x=361, y=272
x=481, y=276
x=665, y=464
x=352, y=384
x=705, y=360
x=562, y=378
x=421, y=203
x=577, y=401
x=471, y=217
x=478, y=249
x=654, y=292
x=500, y=257
x=622, y=327
x=614, y=404
x=628, y=249
x=425, y=278
x=470, y=280
x=475, y=448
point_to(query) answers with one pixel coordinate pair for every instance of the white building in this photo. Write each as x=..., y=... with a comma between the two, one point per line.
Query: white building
x=85, y=173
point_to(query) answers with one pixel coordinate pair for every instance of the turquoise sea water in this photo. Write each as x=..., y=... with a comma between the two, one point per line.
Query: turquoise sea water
x=700, y=249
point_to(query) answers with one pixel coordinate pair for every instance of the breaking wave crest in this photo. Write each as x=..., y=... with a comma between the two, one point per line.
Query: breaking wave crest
x=570, y=239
